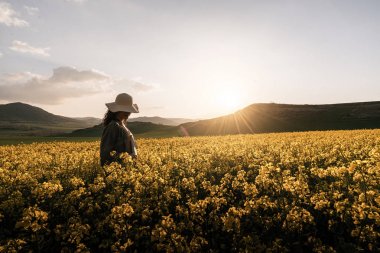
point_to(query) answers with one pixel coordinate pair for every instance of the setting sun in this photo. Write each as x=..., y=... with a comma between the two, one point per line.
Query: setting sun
x=228, y=100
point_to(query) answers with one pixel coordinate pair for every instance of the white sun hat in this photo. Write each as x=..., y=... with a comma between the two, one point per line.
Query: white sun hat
x=123, y=103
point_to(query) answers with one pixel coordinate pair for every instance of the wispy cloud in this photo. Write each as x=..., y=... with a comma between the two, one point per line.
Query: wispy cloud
x=24, y=47
x=71, y=74
x=31, y=10
x=1, y=54
x=66, y=82
x=18, y=77
x=76, y=1
x=134, y=85
x=10, y=17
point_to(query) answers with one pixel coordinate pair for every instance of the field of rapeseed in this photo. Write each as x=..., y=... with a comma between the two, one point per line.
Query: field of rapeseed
x=292, y=192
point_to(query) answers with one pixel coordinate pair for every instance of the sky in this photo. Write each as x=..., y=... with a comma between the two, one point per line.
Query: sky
x=187, y=58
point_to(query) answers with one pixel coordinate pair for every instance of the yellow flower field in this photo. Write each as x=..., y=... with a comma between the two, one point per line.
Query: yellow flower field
x=291, y=192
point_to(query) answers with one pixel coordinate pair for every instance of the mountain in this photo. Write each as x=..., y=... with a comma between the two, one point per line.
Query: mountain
x=140, y=129
x=90, y=120
x=24, y=119
x=20, y=112
x=19, y=119
x=161, y=121
x=265, y=118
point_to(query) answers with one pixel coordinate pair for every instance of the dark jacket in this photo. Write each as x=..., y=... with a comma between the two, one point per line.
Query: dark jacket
x=116, y=138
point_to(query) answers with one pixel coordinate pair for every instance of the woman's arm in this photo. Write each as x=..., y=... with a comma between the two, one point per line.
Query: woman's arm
x=108, y=143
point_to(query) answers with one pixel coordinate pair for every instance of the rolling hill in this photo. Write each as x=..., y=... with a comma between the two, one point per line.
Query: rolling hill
x=161, y=121
x=140, y=129
x=90, y=120
x=20, y=113
x=19, y=119
x=270, y=117
x=24, y=119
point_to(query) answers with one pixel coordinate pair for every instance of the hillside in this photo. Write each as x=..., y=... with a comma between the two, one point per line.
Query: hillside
x=141, y=129
x=161, y=121
x=265, y=118
x=24, y=119
x=90, y=120
x=19, y=119
x=20, y=113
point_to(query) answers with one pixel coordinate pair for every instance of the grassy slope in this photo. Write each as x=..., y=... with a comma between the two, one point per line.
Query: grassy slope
x=264, y=118
x=19, y=119
x=140, y=130
x=256, y=118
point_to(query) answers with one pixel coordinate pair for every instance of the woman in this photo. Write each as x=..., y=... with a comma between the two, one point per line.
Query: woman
x=116, y=137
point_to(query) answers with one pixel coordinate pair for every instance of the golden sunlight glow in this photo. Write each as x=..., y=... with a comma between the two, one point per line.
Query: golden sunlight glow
x=228, y=100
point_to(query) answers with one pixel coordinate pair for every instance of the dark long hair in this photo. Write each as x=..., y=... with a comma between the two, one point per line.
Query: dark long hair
x=108, y=117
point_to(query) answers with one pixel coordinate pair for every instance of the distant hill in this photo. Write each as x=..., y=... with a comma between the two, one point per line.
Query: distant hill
x=19, y=119
x=162, y=121
x=24, y=119
x=90, y=120
x=20, y=112
x=141, y=129
x=265, y=118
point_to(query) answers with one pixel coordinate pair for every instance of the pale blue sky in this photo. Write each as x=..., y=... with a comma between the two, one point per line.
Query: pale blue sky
x=194, y=59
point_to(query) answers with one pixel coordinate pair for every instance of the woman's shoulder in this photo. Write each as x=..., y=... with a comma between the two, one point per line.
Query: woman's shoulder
x=112, y=126
x=112, y=123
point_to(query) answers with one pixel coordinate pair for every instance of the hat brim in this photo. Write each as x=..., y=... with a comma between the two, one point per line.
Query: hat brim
x=113, y=107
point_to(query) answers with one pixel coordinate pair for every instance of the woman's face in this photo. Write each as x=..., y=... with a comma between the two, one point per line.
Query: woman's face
x=122, y=115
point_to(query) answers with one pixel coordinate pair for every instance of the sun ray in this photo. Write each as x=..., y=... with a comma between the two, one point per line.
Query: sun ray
x=228, y=100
